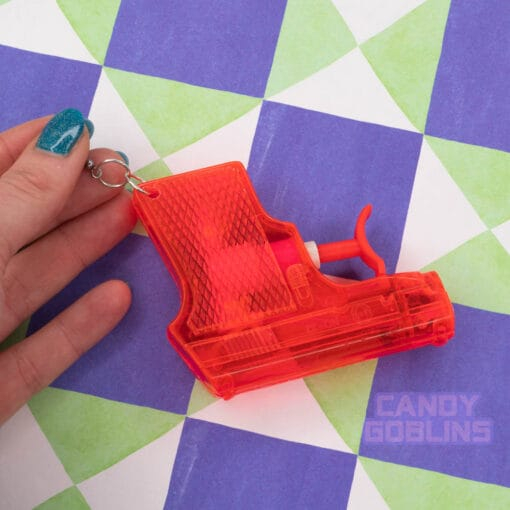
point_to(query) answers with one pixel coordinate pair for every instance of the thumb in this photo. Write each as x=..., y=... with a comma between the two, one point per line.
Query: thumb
x=38, y=185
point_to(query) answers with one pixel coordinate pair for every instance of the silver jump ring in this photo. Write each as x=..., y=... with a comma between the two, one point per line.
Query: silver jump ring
x=96, y=171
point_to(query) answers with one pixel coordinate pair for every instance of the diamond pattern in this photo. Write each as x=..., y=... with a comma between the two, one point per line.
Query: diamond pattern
x=201, y=218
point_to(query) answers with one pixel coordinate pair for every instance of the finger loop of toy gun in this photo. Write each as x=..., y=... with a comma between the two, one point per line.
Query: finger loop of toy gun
x=357, y=247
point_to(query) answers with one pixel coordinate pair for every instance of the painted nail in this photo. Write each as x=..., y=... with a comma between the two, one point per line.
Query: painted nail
x=123, y=156
x=90, y=127
x=62, y=132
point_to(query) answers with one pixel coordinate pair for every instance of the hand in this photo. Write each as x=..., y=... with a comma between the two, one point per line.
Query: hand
x=54, y=221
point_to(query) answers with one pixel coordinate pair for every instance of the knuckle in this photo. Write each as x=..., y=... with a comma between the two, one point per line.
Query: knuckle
x=26, y=370
x=28, y=184
x=16, y=297
x=6, y=150
x=67, y=338
x=71, y=249
x=6, y=252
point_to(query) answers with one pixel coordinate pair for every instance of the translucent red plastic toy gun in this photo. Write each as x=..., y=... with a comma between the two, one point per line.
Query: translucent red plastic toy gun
x=255, y=308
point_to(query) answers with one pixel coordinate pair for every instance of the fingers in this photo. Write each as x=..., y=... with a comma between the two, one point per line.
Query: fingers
x=42, y=269
x=14, y=141
x=31, y=365
x=90, y=193
x=37, y=186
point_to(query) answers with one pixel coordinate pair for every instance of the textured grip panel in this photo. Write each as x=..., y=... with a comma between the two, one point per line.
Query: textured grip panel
x=206, y=224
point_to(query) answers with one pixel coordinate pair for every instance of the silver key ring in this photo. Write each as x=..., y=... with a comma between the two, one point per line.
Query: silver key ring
x=96, y=171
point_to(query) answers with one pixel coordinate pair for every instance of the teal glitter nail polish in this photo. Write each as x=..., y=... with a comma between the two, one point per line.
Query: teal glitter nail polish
x=123, y=156
x=90, y=127
x=62, y=132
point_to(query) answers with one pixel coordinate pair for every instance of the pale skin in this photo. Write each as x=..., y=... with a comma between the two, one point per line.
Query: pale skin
x=55, y=220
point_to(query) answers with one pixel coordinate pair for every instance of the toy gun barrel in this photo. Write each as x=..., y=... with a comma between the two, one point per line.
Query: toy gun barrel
x=255, y=310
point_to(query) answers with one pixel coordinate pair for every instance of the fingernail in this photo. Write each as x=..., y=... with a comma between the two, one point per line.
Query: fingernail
x=90, y=127
x=62, y=132
x=123, y=156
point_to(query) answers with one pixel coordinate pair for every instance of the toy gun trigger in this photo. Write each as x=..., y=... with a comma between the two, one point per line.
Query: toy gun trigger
x=356, y=247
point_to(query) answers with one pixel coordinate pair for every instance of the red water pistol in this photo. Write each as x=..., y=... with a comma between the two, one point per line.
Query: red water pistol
x=255, y=308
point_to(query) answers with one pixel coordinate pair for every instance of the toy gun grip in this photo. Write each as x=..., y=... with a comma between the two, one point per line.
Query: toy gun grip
x=209, y=229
